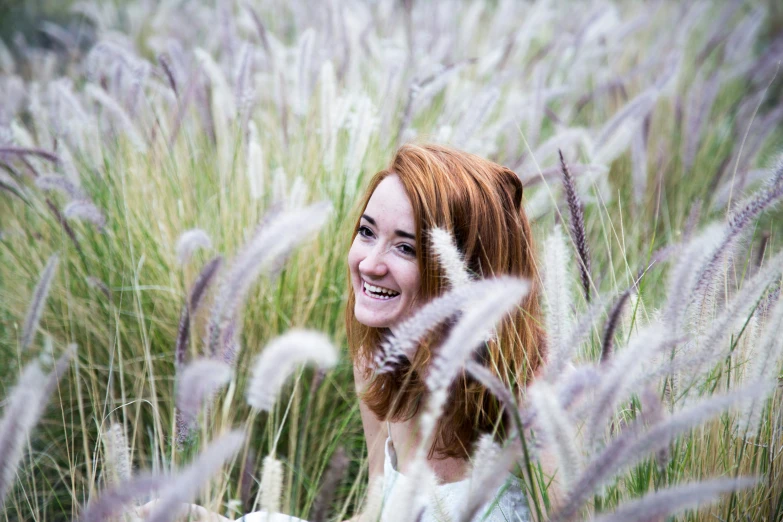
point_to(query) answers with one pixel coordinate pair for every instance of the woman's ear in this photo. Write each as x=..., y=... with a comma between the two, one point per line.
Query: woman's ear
x=517, y=189
x=518, y=195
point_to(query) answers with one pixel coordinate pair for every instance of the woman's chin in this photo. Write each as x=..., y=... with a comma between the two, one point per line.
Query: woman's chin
x=373, y=320
x=376, y=313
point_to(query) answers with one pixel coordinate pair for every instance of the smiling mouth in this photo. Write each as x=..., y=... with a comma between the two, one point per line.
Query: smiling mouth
x=378, y=293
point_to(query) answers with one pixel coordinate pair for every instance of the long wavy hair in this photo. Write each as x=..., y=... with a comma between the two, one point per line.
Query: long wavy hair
x=481, y=204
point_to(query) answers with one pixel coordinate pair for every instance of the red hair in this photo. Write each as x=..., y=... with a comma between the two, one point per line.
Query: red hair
x=481, y=204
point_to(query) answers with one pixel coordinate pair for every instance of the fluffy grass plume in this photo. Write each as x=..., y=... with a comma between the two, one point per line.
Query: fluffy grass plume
x=639, y=166
x=475, y=116
x=684, y=273
x=709, y=347
x=406, y=336
x=558, y=432
x=255, y=163
x=763, y=369
x=37, y=302
x=19, y=416
x=60, y=184
x=23, y=406
x=491, y=382
x=578, y=233
x=484, y=451
x=200, y=286
x=8, y=183
x=271, y=487
x=327, y=98
x=279, y=359
x=198, y=383
x=61, y=366
x=490, y=468
x=26, y=151
x=666, y=502
x=184, y=486
x=472, y=328
x=632, y=445
x=653, y=412
x=64, y=224
x=247, y=480
x=190, y=241
x=272, y=242
x=557, y=302
x=117, y=463
x=115, y=500
x=119, y=115
x=607, y=340
x=746, y=348
x=620, y=376
x=744, y=215
x=465, y=336
x=335, y=472
x=85, y=210
x=362, y=127
x=297, y=196
x=583, y=325
x=615, y=135
x=165, y=65
x=304, y=69
x=574, y=384
x=450, y=257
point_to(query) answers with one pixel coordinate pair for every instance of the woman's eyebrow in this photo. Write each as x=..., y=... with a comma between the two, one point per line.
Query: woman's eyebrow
x=400, y=233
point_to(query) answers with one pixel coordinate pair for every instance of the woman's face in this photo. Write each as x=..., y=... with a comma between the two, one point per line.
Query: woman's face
x=382, y=260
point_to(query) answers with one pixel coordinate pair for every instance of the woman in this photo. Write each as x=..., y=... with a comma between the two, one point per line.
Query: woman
x=393, y=270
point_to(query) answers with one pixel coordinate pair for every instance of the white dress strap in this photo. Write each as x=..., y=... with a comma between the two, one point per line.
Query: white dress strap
x=391, y=453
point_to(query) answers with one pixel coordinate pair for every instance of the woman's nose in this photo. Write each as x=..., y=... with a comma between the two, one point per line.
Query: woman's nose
x=373, y=264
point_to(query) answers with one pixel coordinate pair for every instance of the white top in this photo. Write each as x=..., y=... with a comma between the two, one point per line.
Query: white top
x=451, y=497
x=447, y=504
x=263, y=516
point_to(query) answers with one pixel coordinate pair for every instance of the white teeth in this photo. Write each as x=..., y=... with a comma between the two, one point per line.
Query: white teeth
x=384, y=293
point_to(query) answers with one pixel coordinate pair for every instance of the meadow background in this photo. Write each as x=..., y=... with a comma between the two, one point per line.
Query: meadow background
x=125, y=124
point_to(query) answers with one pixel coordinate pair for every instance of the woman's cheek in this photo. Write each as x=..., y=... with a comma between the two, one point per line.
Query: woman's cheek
x=409, y=281
x=354, y=256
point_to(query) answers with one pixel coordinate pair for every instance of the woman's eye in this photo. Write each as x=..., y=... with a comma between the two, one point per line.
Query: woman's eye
x=407, y=250
x=364, y=231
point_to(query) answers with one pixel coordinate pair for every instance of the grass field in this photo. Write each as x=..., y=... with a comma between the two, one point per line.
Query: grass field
x=125, y=124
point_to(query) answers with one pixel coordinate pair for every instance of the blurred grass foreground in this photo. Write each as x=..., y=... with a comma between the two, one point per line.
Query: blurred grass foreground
x=145, y=147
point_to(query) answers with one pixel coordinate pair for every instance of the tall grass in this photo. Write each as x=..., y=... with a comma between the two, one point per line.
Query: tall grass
x=136, y=133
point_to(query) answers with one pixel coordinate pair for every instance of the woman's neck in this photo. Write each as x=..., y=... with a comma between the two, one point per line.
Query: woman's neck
x=405, y=438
